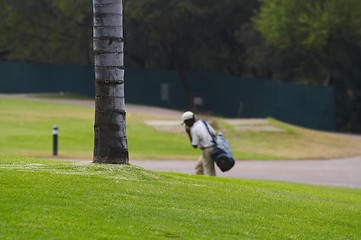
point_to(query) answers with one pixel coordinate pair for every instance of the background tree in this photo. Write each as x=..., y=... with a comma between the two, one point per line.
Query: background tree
x=186, y=35
x=46, y=31
x=324, y=38
x=110, y=141
x=163, y=34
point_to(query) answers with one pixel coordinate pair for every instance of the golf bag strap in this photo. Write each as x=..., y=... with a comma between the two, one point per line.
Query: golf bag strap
x=210, y=133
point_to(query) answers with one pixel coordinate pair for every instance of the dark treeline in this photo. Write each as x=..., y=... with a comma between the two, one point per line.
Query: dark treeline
x=313, y=42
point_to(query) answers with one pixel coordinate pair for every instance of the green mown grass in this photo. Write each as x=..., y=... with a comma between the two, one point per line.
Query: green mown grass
x=42, y=199
x=25, y=129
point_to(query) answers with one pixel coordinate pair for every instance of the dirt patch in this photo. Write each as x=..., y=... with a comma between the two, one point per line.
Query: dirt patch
x=239, y=124
x=166, y=126
x=255, y=125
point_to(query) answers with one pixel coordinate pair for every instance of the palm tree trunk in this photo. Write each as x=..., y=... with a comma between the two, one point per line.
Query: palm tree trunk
x=110, y=141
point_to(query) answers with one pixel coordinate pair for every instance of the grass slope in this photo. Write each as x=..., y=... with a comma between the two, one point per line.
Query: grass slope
x=59, y=200
x=25, y=129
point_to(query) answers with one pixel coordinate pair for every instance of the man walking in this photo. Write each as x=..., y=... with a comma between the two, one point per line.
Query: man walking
x=200, y=138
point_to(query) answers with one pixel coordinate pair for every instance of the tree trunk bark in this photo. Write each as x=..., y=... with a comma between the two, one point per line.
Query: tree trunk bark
x=110, y=141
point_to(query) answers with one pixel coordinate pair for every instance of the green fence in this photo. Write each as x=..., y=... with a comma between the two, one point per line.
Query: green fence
x=228, y=96
x=302, y=105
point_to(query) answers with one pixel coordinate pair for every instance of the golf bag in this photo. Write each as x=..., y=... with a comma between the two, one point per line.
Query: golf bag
x=221, y=153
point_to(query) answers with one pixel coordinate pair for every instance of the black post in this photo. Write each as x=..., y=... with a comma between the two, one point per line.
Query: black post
x=55, y=140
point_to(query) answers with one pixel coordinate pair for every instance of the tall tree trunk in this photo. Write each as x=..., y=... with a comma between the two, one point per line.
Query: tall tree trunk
x=186, y=86
x=85, y=39
x=110, y=141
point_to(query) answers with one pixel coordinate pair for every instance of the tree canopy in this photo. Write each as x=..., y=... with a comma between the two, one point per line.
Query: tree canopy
x=325, y=38
x=198, y=35
x=309, y=24
x=46, y=31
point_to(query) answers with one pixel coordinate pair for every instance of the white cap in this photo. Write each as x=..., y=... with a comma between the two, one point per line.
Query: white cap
x=187, y=115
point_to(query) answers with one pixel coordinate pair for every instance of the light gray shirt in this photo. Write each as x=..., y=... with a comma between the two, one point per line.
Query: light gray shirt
x=200, y=135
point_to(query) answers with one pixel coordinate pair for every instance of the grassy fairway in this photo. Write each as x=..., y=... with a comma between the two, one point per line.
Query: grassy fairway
x=59, y=200
x=26, y=126
x=25, y=129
